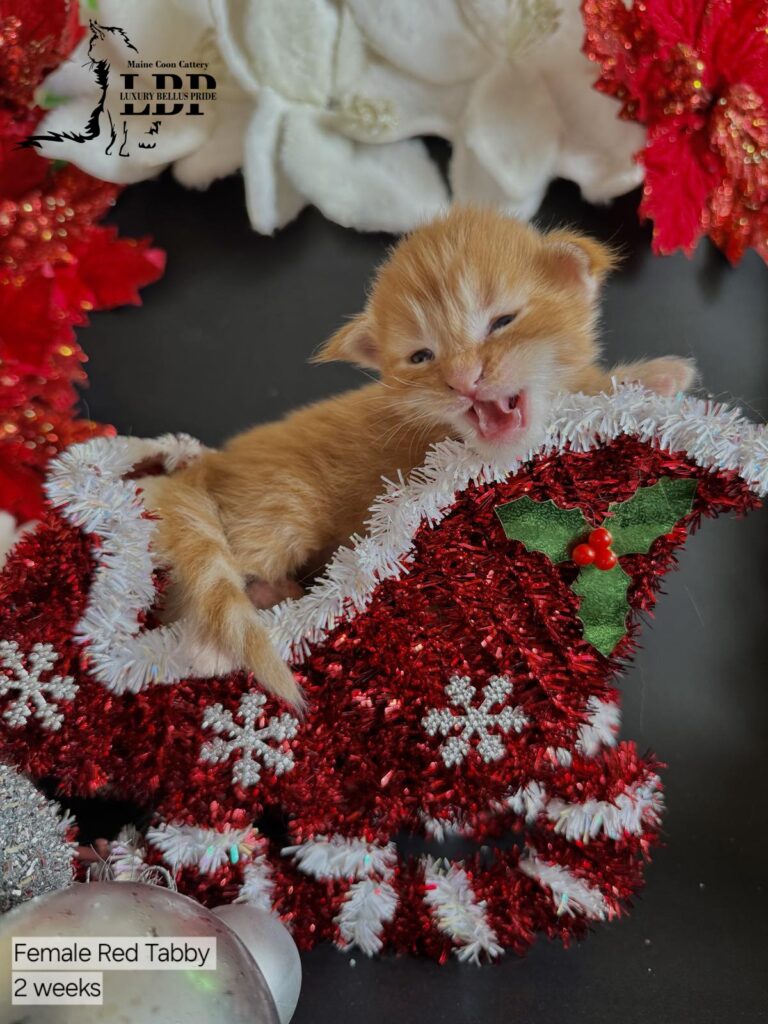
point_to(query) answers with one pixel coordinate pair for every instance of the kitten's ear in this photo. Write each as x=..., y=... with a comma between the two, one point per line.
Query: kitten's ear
x=579, y=259
x=352, y=343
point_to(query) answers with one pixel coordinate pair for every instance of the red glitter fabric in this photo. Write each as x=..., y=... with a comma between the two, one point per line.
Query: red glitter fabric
x=363, y=767
x=696, y=73
x=56, y=264
x=35, y=36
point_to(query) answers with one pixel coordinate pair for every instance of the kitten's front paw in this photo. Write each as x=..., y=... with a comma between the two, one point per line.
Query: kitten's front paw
x=667, y=375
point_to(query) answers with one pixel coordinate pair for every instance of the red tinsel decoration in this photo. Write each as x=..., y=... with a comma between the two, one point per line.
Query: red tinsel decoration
x=56, y=264
x=471, y=603
x=696, y=73
x=35, y=36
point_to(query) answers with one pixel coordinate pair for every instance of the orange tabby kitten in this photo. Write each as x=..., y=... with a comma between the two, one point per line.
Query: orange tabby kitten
x=473, y=323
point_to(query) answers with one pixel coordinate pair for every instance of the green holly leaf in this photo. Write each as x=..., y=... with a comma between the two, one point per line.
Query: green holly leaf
x=542, y=526
x=650, y=513
x=603, y=608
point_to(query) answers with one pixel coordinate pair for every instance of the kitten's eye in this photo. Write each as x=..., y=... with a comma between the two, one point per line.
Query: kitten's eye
x=424, y=355
x=502, y=321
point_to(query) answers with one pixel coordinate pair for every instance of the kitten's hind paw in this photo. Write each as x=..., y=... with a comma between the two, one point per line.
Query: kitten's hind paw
x=267, y=595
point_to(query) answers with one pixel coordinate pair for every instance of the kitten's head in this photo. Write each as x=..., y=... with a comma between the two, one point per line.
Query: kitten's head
x=475, y=321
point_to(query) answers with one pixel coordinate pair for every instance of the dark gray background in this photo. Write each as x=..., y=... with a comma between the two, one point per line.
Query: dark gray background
x=222, y=343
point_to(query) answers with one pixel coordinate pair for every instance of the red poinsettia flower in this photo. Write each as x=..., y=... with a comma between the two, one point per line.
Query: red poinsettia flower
x=33, y=324
x=35, y=36
x=696, y=73
x=113, y=269
x=56, y=263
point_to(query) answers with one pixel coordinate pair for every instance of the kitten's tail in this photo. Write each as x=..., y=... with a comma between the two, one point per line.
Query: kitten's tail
x=191, y=538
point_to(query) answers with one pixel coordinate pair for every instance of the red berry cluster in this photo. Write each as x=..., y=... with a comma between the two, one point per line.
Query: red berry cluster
x=596, y=551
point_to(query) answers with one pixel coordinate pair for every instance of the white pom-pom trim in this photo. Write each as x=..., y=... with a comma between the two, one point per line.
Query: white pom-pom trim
x=86, y=483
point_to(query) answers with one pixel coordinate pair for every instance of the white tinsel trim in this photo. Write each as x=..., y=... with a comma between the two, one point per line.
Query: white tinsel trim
x=571, y=895
x=601, y=727
x=86, y=483
x=258, y=885
x=370, y=901
x=368, y=905
x=126, y=856
x=600, y=730
x=457, y=912
x=560, y=756
x=10, y=534
x=170, y=451
x=343, y=857
x=529, y=801
x=630, y=812
x=441, y=829
x=206, y=849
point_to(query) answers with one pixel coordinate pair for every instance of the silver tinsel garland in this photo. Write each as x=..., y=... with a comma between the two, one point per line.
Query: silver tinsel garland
x=35, y=855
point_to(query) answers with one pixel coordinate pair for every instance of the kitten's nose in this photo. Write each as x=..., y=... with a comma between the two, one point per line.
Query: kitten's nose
x=464, y=381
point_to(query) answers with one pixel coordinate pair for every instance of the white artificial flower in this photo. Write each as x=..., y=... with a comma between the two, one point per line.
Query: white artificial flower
x=531, y=112
x=9, y=534
x=310, y=139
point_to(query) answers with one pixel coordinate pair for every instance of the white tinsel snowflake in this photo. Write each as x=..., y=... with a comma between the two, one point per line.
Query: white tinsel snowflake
x=475, y=721
x=253, y=741
x=30, y=689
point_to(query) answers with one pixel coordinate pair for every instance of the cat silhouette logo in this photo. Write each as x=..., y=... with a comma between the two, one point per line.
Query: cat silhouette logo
x=129, y=91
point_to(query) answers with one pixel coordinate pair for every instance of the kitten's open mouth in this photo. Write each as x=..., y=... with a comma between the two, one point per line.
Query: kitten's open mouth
x=494, y=419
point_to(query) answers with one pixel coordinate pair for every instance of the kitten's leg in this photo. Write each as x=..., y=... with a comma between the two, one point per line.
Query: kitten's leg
x=266, y=595
x=666, y=375
x=271, y=551
x=210, y=578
